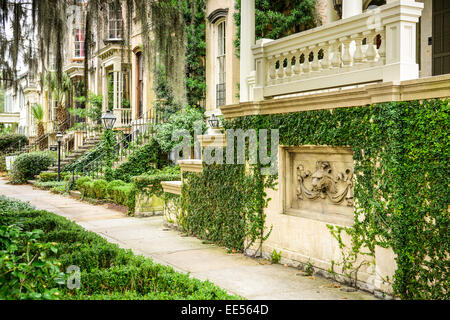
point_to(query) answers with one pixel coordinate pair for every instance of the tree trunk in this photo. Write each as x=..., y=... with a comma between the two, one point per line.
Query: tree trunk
x=62, y=118
x=43, y=144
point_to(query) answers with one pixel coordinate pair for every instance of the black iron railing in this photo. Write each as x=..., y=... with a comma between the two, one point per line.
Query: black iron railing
x=139, y=132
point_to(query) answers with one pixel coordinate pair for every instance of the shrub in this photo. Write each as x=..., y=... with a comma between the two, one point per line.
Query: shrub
x=12, y=142
x=151, y=183
x=47, y=185
x=52, y=176
x=99, y=188
x=113, y=184
x=28, y=165
x=142, y=160
x=80, y=184
x=124, y=195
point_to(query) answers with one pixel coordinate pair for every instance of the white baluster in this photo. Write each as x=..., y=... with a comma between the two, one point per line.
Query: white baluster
x=272, y=68
x=346, y=56
x=280, y=71
x=288, y=70
x=306, y=64
x=325, y=62
x=371, y=54
x=336, y=60
x=382, y=49
x=315, y=65
x=359, y=55
x=297, y=67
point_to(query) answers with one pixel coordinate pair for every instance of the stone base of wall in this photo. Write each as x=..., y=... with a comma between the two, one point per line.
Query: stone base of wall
x=148, y=205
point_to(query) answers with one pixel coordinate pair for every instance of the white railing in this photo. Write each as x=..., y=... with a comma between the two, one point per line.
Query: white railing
x=377, y=45
x=123, y=117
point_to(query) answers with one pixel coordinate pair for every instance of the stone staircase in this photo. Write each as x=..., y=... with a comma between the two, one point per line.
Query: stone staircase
x=88, y=145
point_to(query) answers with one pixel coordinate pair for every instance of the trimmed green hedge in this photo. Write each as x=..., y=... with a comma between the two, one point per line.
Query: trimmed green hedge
x=151, y=182
x=117, y=191
x=52, y=176
x=107, y=271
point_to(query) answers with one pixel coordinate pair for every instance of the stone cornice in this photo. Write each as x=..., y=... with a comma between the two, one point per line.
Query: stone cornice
x=173, y=187
x=419, y=89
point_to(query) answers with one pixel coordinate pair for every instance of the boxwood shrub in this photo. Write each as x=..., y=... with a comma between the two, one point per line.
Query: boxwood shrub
x=107, y=271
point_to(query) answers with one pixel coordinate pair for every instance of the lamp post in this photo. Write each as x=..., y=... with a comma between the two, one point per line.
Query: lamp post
x=59, y=138
x=108, y=120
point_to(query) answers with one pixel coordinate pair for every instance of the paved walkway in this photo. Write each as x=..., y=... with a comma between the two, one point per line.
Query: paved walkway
x=236, y=273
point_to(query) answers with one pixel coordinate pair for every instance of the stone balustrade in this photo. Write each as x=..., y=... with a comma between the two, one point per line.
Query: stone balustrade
x=124, y=117
x=378, y=45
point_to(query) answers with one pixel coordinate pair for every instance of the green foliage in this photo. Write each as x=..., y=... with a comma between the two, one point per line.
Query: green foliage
x=277, y=19
x=80, y=182
x=107, y=271
x=113, y=185
x=52, y=176
x=147, y=158
x=151, y=183
x=28, y=165
x=117, y=191
x=38, y=112
x=185, y=119
x=85, y=159
x=105, y=149
x=225, y=204
x=275, y=256
x=124, y=195
x=48, y=185
x=9, y=143
x=401, y=152
x=99, y=188
x=12, y=142
x=194, y=18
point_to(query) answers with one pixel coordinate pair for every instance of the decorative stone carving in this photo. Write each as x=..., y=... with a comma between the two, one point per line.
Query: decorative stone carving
x=325, y=183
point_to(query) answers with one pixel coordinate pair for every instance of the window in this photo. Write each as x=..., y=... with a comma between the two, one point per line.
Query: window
x=79, y=43
x=140, y=83
x=115, y=23
x=220, y=65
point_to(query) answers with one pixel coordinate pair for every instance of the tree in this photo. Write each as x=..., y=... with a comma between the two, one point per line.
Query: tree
x=59, y=89
x=38, y=114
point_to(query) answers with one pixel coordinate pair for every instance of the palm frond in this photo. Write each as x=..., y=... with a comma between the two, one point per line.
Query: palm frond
x=38, y=112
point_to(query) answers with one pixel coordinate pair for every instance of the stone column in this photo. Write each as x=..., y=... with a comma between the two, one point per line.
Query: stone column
x=351, y=8
x=247, y=63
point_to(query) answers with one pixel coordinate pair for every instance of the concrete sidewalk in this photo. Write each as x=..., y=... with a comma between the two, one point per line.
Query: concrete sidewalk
x=236, y=273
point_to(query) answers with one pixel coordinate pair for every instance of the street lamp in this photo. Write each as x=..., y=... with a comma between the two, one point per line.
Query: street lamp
x=213, y=122
x=108, y=120
x=59, y=138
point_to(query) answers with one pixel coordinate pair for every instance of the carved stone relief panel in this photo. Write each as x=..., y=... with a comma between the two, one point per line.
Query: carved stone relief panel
x=318, y=183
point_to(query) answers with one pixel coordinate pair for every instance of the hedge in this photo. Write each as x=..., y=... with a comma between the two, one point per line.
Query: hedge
x=117, y=191
x=52, y=176
x=27, y=165
x=151, y=183
x=107, y=271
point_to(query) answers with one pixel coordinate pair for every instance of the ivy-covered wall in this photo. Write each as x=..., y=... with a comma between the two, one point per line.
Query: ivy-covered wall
x=401, y=152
